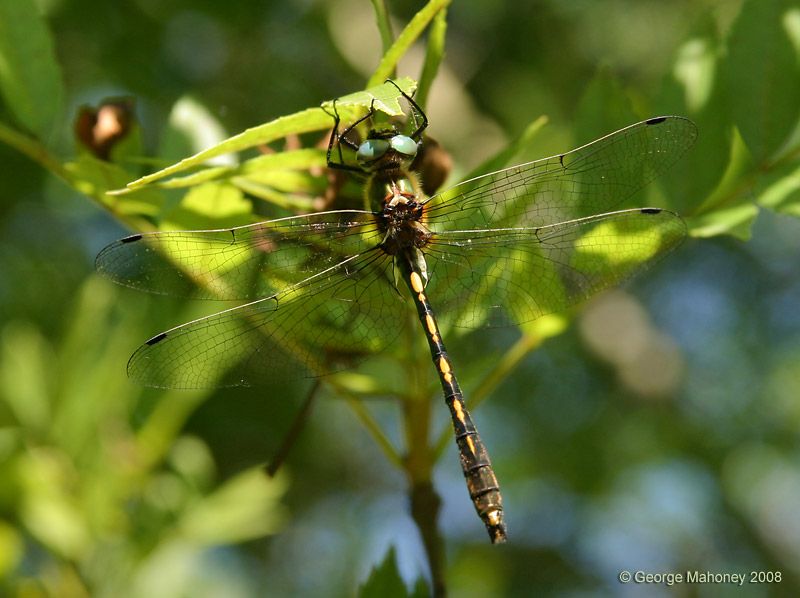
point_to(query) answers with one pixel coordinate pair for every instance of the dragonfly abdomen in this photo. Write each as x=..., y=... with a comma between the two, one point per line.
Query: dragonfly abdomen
x=481, y=480
x=484, y=491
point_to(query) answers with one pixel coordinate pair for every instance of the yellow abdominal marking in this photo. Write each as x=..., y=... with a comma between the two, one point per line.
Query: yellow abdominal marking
x=416, y=283
x=444, y=367
x=459, y=407
x=431, y=324
x=459, y=410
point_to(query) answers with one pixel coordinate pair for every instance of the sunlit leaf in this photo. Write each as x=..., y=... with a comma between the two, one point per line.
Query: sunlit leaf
x=783, y=195
x=303, y=159
x=312, y=119
x=95, y=177
x=736, y=221
x=406, y=38
x=210, y=205
x=383, y=97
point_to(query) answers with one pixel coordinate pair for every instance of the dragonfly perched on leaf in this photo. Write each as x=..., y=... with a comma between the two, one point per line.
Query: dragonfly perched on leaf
x=503, y=248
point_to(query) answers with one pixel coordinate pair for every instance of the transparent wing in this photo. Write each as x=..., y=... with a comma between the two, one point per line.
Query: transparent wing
x=502, y=277
x=348, y=311
x=247, y=262
x=589, y=180
x=507, y=247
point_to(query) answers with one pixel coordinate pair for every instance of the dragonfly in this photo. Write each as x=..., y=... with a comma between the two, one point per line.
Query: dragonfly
x=325, y=290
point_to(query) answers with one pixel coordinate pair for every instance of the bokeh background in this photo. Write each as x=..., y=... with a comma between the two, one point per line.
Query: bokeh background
x=659, y=432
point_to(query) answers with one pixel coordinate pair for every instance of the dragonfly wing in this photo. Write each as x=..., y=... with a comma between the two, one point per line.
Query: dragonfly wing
x=504, y=277
x=328, y=322
x=589, y=180
x=247, y=262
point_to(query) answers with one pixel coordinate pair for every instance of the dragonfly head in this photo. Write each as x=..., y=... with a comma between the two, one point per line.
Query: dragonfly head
x=382, y=150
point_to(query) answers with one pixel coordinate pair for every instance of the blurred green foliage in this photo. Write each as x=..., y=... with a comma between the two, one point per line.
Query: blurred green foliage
x=658, y=434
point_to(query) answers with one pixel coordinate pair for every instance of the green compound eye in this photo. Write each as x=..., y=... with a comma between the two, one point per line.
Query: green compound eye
x=371, y=150
x=404, y=145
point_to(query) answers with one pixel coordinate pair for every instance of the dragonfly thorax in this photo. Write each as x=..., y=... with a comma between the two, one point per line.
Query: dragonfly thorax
x=401, y=213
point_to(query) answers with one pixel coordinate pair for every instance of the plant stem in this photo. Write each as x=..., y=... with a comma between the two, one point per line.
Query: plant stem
x=33, y=149
x=372, y=426
x=297, y=425
x=425, y=502
x=425, y=505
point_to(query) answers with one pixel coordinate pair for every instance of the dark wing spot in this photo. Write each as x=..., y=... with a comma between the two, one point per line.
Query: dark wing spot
x=156, y=338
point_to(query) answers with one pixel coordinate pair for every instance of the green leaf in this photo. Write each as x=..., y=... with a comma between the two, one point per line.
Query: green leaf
x=434, y=55
x=420, y=589
x=383, y=97
x=384, y=24
x=312, y=119
x=49, y=511
x=695, y=88
x=403, y=42
x=604, y=108
x=12, y=549
x=303, y=159
x=783, y=195
x=30, y=77
x=245, y=507
x=24, y=376
x=729, y=208
x=94, y=177
x=384, y=581
x=696, y=70
x=210, y=206
x=736, y=220
x=762, y=74
x=502, y=158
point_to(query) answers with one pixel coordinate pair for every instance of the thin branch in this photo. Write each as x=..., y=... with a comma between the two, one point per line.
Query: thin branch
x=291, y=436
